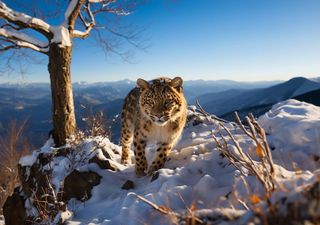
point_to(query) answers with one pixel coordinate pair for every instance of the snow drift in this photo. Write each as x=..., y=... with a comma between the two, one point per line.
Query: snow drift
x=198, y=183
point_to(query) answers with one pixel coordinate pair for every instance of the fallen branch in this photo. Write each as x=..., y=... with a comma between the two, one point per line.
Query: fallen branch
x=169, y=212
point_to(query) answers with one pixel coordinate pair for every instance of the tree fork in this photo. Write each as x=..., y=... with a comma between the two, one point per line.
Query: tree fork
x=63, y=115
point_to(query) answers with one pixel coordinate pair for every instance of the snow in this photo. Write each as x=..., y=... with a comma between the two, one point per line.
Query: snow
x=21, y=36
x=60, y=35
x=17, y=16
x=297, y=123
x=29, y=160
x=196, y=178
x=70, y=9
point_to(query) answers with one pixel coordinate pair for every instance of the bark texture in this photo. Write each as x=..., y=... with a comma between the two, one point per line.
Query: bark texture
x=63, y=115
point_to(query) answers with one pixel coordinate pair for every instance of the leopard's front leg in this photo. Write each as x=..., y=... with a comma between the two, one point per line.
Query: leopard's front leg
x=139, y=153
x=161, y=157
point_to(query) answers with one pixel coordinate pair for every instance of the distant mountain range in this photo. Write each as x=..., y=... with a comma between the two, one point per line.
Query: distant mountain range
x=33, y=101
x=257, y=101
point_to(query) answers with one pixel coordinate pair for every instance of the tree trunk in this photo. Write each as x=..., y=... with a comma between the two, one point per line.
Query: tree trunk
x=63, y=116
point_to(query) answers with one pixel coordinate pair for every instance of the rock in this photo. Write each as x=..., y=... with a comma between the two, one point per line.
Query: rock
x=79, y=185
x=155, y=176
x=33, y=179
x=106, y=154
x=103, y=164
x=14, y=211
x=128, y=185
x=63, y=152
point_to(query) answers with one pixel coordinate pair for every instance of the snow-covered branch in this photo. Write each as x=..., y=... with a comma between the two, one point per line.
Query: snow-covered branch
x=116, y=11
x=72, y=13
x=22, y=20
x=82, y=34
x=105, y=7
x=16, y=35
x=87, y=24
x=19, y=39
x=100, y=1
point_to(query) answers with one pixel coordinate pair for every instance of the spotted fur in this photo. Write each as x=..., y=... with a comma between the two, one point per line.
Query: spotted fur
x=153, y=111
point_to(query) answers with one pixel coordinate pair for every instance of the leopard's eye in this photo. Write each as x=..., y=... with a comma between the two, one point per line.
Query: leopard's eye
x=167, y=103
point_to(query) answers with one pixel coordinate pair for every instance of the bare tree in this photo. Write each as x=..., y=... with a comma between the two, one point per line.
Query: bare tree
x=21, y=31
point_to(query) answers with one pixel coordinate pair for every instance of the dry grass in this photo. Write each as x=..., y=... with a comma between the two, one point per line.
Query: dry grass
x=263, y=169
x=48, y=205
x=303, y=209
x=96, y=124
x=13, y=145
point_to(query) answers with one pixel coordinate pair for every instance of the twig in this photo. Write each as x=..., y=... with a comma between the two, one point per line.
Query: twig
x=161, y=209
x=201, y=110
x=167, y=211
x=264, y=170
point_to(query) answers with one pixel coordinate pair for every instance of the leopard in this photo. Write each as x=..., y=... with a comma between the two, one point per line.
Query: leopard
x=154, y=111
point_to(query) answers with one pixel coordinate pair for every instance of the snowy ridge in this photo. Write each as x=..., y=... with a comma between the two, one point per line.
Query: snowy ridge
x=197, y=177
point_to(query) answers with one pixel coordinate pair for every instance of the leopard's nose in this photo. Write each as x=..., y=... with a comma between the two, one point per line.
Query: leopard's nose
x=161, y=118
x=158, y=116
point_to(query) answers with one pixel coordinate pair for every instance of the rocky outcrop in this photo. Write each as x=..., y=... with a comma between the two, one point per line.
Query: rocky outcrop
x=128, y=185
x=103, y=163
x=50, y=177
x=14, y=210
x=79, y=185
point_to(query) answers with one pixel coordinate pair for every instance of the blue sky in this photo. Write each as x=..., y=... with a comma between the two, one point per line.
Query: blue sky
x=209, y=39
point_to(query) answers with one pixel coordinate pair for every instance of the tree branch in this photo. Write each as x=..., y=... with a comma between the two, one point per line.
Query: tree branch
x=17, y=35
x=25, y=21
x=82, y=34
x=12, y=26
x=106, y=2
x=22, y=40
x=88, y=26
x=6, y=47
x=72, y=13
x=116, y=11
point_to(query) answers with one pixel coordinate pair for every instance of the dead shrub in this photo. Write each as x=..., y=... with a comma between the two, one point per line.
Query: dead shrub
x=13, y=145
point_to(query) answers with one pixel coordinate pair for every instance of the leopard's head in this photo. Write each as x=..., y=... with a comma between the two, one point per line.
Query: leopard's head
x=161, y=99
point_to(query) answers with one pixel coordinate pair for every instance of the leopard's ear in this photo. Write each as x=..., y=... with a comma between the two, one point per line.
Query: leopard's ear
x=141, y=83
x=176, y=82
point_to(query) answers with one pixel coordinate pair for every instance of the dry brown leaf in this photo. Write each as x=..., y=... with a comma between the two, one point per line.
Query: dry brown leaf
x=254, y=199
x=259, y=151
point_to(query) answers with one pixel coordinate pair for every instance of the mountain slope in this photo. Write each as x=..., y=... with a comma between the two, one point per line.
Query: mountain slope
x=195, y=88
x=312, y=97
x=33, y=101
x=239, y=100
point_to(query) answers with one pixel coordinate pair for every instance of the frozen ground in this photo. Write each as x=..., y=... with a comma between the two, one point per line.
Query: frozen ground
x=196, y=178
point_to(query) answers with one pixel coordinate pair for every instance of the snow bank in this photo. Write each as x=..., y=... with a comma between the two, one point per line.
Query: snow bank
x=294, y=134
x=197, y=176
x=60, y=35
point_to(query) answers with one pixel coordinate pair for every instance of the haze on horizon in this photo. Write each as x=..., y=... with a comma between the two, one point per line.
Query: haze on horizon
x=244, y=40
